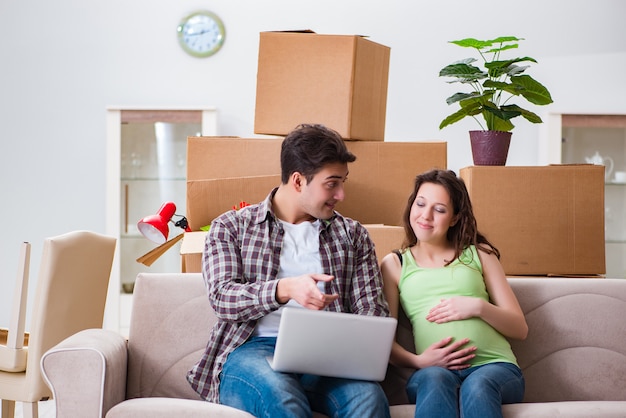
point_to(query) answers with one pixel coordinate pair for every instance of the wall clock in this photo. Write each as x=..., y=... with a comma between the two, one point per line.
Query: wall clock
x=201, y=34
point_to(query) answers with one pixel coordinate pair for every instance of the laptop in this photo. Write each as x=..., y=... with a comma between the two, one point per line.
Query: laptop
x=333, y=344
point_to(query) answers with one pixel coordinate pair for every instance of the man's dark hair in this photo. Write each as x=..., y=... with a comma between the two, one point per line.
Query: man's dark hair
x=308, y=148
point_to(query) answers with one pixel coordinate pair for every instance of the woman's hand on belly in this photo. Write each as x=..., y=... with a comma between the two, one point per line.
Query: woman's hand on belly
x=455, y=309
x=447, y=353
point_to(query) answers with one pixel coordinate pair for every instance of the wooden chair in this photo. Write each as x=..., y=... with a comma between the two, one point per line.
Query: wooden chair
x=70, y=296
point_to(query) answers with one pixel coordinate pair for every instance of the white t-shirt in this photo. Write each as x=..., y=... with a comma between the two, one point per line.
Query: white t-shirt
x=300, y=255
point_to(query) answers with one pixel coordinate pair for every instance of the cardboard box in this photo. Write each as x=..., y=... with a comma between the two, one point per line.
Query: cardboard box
x=385, y=237
x=382, y=178
x=191, y=250
x=379, y=184
x=546, y=220
x=336, y=80
x=207, y=199
x=211, y=157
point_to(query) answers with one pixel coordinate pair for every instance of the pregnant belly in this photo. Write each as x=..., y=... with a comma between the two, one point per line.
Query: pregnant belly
x=491, y=345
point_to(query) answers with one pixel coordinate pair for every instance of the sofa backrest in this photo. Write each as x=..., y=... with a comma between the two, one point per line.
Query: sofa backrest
x=170, y=323
x=576, y=344
x=575, y=349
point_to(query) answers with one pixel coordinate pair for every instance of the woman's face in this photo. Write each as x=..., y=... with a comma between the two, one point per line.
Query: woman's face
x=432, y=213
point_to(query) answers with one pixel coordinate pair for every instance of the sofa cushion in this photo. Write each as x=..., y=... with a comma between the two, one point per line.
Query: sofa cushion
x=170, y=325
x=575, y=349
x=579, y=409
x=574, y=409
x=170, y=407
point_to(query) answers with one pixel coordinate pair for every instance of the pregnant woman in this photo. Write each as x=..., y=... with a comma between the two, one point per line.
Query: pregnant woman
x=448, y=279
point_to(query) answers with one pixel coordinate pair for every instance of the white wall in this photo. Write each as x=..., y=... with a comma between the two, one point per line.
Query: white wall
x=63, y=62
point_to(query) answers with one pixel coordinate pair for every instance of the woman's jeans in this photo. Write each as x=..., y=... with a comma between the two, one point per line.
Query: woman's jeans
x=249, y=383
x=477, y=392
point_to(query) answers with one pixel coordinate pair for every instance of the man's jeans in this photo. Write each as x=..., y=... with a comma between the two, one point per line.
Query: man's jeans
x=477, y=392
x=249, y=383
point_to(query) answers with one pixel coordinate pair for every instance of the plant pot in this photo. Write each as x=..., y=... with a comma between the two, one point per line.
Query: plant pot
x=490, y=147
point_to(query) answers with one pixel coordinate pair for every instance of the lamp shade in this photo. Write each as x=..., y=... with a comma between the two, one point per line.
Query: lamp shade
x=154, y=227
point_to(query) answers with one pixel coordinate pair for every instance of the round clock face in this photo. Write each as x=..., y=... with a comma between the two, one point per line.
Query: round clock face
x=201, y=34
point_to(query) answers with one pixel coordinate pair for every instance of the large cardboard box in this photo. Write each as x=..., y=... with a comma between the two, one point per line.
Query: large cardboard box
x=386, y=238
x=379, y=183
x=546, y=220
x=207, y=199
x=382, y=177
x=336, y=80
x=216, y=157
x=223, y=171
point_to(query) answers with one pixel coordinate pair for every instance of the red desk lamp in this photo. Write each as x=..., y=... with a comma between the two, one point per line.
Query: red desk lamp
x=155, y=228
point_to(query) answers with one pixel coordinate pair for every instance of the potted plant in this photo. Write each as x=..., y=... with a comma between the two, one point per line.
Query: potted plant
x=490, y=92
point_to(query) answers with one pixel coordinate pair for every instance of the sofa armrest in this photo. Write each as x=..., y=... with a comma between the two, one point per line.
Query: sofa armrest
x=87, y=373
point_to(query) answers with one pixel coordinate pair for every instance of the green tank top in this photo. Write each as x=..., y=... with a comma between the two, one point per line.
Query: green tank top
x=422, y=288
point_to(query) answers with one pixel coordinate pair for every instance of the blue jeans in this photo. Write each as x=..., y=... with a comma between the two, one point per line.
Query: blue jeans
x=477, y=392
x=249, y=383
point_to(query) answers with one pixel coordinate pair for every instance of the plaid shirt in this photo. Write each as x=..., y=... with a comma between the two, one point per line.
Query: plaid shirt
x=240, y=266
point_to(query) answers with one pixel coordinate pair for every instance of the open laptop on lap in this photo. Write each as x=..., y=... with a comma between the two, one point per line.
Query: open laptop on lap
x=333, y=344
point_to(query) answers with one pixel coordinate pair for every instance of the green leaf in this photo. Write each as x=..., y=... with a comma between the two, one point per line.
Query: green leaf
x=504, y=43
x=511, y=88
x=498, y=124
x=532, y=90
x=497, y=68
x=491, y=114
x=466, y=99
x=463, y=71
x=516, y=69
x=503, y=113
x=457, y=97
x=528, y=115
x=504, y=39
x=506, y=63
x=469, y=110
x=472, y=43
x=502, y=48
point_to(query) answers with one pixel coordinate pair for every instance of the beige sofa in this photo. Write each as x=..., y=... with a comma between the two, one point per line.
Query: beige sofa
x=574, y=358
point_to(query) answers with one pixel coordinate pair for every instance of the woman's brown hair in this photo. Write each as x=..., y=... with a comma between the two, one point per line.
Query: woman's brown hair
x=464, y=232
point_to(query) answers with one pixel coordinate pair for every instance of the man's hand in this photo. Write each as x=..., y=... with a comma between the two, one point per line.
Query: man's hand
x=303, y=289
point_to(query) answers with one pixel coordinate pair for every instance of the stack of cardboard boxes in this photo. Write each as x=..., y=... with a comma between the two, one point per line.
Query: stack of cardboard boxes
x=336, y=80
x=545, y=220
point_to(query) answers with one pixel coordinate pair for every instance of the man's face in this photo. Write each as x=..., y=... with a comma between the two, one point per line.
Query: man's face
x=319, y=196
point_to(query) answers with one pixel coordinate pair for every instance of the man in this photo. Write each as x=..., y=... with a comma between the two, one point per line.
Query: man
x=292, y=249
